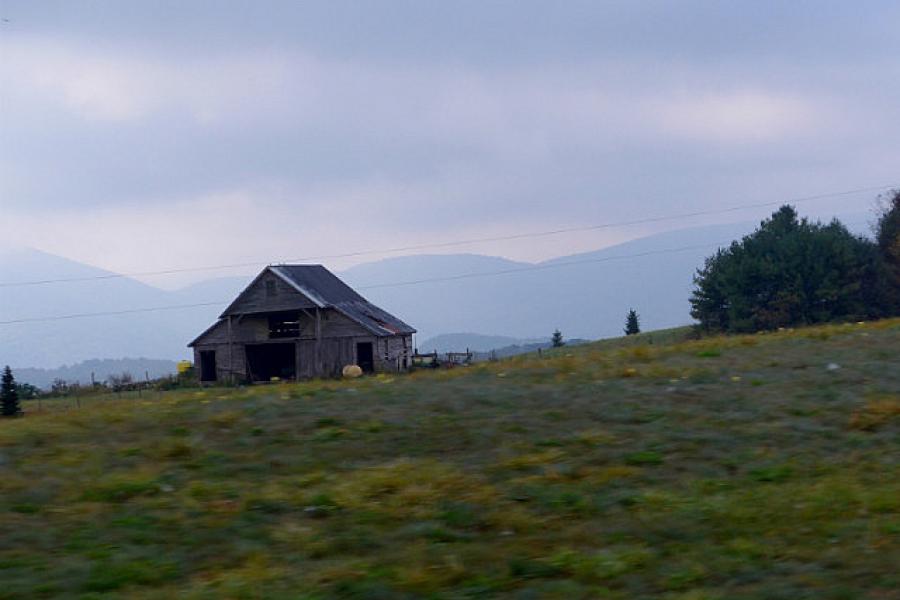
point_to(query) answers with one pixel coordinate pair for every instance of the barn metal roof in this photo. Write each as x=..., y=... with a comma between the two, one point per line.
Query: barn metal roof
x=326, y=290
x=317, y=283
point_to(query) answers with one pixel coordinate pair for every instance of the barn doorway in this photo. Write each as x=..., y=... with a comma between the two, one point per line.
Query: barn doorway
x=365, y=357
x=266, y=361
x=207, y=365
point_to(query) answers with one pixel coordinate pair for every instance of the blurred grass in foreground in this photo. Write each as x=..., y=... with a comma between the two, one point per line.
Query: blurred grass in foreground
x=758, y=466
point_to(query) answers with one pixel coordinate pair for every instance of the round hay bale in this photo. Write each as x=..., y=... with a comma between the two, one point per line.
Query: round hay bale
x=352, y=371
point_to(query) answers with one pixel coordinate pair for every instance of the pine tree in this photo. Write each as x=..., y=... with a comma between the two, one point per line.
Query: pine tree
x=557, y=339
x=632, y=323
x=887, y=232
x=788, y=272
x=9, y=395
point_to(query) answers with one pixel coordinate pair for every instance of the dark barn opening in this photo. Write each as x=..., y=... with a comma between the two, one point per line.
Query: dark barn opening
x=266, y=361
x=284, y=325
x=208, y=365
x=365, y=357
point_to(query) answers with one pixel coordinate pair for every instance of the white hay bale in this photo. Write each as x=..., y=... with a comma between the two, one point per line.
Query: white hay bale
x=352, y=371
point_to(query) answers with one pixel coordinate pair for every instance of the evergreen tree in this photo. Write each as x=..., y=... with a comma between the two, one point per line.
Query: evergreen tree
x=9, y=395
x=557, y=339
x=788, y=272
x=632, y=323
x=887, y=237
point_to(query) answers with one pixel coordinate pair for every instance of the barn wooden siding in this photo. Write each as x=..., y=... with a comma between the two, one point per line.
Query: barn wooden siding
x=256, y=298
x=336, y=347
x=326, y=338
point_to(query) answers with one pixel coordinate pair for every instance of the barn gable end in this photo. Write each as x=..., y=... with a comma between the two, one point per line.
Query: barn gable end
x=268, y=292
x=298, y=321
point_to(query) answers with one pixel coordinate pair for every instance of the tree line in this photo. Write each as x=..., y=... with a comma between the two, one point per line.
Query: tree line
x=792, y=271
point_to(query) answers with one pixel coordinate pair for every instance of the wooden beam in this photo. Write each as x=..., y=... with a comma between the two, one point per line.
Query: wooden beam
x=308, y=314
x=318, y=342
x=230, y=351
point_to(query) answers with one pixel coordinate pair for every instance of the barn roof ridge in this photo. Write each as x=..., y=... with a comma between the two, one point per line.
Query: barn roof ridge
x=326, y=290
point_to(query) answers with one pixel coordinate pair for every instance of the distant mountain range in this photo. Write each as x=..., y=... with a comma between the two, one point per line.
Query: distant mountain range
x=504, y=302
x=476, y=342
x=97, y=370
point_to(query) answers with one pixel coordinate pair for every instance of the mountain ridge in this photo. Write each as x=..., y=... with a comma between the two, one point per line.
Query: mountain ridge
x=585, y=295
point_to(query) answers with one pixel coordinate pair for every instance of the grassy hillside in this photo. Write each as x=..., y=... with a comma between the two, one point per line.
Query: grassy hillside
x=742, y=467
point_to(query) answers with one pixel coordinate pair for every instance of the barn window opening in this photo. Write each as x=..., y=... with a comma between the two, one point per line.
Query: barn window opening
x=284, y=325
x=271, y=290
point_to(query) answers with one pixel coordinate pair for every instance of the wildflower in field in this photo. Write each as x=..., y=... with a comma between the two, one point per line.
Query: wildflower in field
x=736, y=378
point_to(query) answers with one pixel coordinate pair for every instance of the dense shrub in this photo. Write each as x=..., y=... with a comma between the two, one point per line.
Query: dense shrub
x=26, y=391
x=887, y=237
x=790, y=271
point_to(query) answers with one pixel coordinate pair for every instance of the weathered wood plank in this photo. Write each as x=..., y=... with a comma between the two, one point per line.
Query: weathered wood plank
x=269, y=293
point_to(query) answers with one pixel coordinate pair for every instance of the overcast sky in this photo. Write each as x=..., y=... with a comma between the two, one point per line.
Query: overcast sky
x=145, y=135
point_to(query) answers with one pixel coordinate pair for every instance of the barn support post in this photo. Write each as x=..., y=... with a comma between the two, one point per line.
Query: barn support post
x=318, y=342
x=230, y=352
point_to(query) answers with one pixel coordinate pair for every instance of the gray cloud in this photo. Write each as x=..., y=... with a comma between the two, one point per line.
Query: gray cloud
x=222, y=131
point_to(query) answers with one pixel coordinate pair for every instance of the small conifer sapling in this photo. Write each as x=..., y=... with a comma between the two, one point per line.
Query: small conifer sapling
x=557, y=339
x=632, y=323
x=9, y=395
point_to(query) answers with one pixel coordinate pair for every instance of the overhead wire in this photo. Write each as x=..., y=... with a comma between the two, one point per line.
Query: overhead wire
x=449, y=244
x=385, y=285
x=456, y=277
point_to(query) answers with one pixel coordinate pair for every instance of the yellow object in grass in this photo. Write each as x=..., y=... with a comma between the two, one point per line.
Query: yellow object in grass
x=352, y=371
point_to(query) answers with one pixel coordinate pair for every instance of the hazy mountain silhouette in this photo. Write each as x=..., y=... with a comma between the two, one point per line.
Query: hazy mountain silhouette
x=138, y=368
x=475, y=342
x=585, y=295
x=53, y=343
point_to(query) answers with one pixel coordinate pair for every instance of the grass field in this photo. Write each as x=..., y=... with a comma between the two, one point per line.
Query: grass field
x=763, y=467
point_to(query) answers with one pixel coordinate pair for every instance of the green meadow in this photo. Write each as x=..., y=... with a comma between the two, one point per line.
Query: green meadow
x=741, y=467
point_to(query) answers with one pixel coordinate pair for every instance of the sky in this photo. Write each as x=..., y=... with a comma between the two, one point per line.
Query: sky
x=139, y=136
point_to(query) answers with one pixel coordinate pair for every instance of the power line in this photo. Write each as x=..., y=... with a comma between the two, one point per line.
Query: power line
x=387, y=285
x=542, y=266
x=449, y=244
x=109, y=313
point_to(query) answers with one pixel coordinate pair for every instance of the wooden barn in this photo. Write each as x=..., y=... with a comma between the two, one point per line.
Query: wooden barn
x=300, y=321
